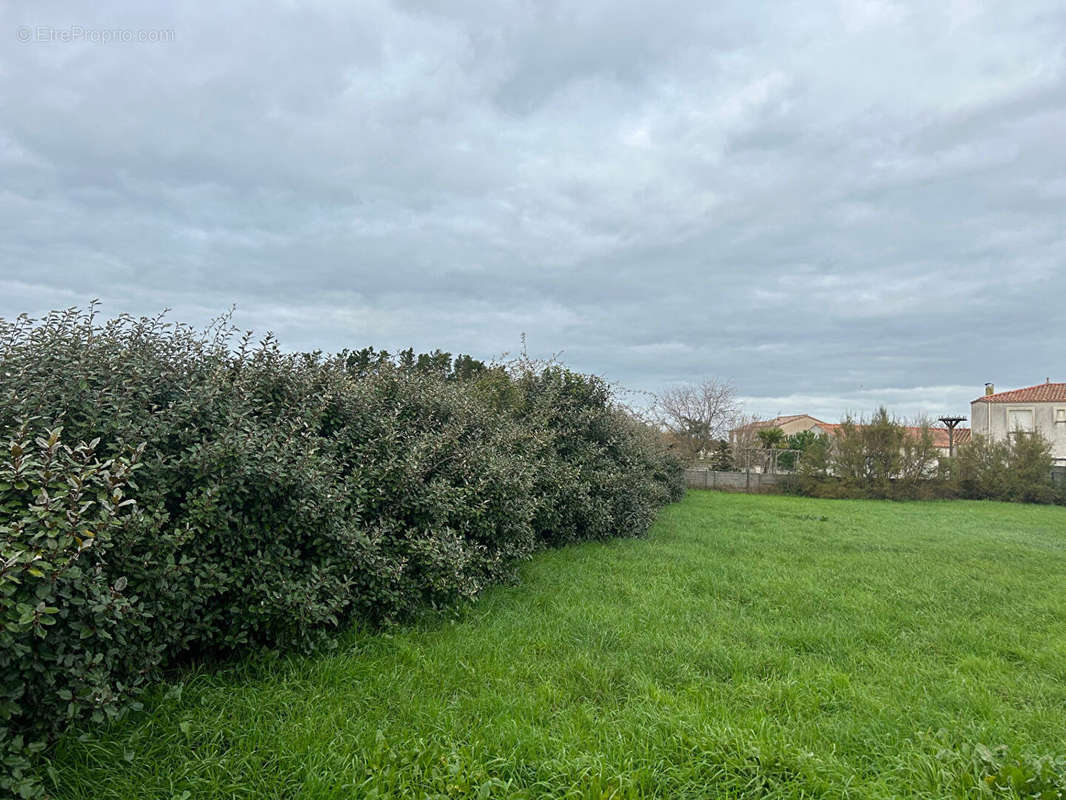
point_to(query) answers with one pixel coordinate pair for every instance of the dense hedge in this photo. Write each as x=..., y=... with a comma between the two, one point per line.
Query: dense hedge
x=278, y=497
x=883, y=458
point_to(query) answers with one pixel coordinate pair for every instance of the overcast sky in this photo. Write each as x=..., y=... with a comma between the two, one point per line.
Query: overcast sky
x=834, y=205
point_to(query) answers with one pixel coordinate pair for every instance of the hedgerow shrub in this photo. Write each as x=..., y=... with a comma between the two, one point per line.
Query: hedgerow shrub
x=69, y=636
x=876, y=457
x=882, y=458
x=586, y=452
x=1018, y=469
x=278, y=497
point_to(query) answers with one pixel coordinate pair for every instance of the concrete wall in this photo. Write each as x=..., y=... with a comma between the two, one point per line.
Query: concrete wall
x=990, y=419
x=712, y=479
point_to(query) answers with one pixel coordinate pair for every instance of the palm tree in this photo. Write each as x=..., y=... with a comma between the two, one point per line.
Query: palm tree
x=771, y=439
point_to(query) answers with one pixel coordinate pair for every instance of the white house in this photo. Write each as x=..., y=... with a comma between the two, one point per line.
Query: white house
x=1040, y=409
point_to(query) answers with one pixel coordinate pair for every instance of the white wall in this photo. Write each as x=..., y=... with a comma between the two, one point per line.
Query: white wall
x=990, y=419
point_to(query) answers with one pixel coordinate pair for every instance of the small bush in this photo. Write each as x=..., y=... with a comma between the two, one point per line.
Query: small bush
x=1006, y=774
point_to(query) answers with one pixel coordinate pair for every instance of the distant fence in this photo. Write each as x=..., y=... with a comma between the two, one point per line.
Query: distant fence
x=733, y=481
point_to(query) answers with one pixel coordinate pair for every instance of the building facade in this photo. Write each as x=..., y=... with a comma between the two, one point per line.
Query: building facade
x=793, y=423
x=1034, y=409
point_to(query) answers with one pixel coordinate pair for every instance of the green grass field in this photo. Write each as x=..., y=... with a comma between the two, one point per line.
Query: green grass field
x=751, y=646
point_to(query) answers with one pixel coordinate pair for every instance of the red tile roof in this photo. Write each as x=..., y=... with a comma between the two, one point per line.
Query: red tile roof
x=940, y=435
x=1041, y=393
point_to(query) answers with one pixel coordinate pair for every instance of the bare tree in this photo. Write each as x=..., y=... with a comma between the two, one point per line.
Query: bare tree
x=698, y=415
x=748, y=450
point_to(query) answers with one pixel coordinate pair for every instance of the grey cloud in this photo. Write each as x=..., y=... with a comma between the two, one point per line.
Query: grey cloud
x=834, y=205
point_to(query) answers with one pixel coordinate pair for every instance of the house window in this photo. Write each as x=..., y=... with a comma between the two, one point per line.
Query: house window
x=1060, y=415
x=1020, y=420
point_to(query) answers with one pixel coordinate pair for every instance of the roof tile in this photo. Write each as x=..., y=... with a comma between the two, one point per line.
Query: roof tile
x=1041, y=393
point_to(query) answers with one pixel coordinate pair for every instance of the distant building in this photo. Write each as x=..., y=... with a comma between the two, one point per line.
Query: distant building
x=1034, y=409
x=795, y=423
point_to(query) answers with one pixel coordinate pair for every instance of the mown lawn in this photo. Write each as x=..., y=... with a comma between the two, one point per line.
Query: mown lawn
x=751, y=646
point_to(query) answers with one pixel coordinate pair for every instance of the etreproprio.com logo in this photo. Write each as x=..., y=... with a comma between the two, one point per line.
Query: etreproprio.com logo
x=27, y=34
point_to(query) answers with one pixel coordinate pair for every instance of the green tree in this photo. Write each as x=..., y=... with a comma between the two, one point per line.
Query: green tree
x=1029, y=465
x=722, y=459
x=817, y=461
x=1018, y=468
x=771, y=439
x=796, y=445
